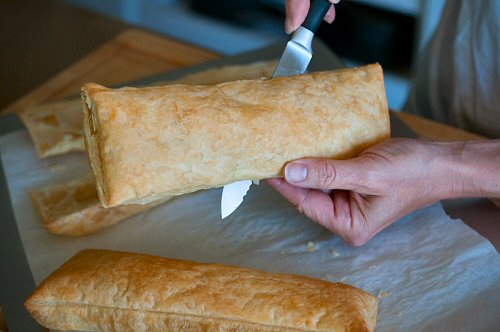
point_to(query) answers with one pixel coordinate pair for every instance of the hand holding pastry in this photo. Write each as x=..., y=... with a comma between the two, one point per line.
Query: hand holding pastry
x=359, y=197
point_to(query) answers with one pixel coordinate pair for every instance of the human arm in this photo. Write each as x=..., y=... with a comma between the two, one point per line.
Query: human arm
x=366, y=194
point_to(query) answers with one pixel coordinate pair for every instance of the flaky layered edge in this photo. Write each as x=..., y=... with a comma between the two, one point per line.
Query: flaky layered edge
x=91, y=136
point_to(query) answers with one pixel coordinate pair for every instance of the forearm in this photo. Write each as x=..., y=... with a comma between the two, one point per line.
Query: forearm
x=472, y=169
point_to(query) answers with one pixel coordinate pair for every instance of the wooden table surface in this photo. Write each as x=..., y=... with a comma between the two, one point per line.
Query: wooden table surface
x=41, y=38
x=131, y=55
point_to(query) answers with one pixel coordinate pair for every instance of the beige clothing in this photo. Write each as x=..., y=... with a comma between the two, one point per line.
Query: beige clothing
x=458, y=78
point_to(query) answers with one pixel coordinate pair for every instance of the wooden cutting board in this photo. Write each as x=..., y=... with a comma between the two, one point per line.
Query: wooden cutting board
x=131, y=55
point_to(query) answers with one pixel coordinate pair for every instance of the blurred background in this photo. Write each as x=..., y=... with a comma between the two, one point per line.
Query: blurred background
x=392, y=32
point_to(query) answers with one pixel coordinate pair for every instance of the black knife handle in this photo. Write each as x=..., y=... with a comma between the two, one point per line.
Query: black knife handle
x=316, y=13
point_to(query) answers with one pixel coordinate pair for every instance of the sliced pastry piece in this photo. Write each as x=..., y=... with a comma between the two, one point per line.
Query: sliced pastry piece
x=56, y=127
x=74, y=209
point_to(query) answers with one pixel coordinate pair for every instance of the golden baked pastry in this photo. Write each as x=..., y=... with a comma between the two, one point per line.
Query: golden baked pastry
x=145, y=143
x=100, y=290
x=74, y=209
x=56, y=127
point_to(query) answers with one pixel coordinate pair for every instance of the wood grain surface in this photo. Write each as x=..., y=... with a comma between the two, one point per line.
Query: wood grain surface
x=133, y=54
x=429, y=129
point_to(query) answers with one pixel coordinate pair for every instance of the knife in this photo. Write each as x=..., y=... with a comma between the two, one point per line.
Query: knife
x=293, y=61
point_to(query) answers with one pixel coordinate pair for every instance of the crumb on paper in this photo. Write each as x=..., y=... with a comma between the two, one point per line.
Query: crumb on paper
x=283, y=252
x=270, y=232
x=371, y=267
x=327, y=276
x=382, y=294
x=400, y=314
x=311, y=247
x=335, y=253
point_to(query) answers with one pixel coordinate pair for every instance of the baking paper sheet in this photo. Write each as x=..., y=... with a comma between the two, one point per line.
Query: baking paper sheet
x=431, y=272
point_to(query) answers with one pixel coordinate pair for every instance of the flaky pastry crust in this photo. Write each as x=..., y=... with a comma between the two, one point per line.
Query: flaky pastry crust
x=100, y=290
x=145, y=143
x=73, y=208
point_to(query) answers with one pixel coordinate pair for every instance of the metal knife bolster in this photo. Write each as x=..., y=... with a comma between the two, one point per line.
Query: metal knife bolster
x=304, y=37
x=298, y=51
x=297, y=54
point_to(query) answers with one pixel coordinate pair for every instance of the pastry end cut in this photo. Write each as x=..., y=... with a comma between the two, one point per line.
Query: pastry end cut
x=92, y=140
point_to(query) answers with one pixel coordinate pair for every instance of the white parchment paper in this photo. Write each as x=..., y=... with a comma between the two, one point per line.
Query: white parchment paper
x=432, y=273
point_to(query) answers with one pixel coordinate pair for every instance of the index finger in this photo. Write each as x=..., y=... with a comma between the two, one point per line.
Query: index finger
x=296, y=12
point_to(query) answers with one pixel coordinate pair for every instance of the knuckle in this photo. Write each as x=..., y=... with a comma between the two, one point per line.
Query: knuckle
x=325, y=174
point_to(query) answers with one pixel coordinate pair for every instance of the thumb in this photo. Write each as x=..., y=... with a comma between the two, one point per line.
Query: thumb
x=326, y=173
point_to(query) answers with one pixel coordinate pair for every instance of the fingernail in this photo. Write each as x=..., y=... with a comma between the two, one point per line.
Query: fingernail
x=295, y=172
x=288, y=26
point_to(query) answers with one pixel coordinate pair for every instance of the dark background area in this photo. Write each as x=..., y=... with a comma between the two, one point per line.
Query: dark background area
x=40, y=38
x=360, y=32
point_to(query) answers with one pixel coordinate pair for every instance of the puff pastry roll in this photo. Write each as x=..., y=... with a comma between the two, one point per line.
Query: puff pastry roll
x=73, y=208
x=145, y=143
x=100, y=290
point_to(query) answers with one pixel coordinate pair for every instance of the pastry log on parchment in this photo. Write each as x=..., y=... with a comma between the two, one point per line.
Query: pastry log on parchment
x=100, y=290
x=73, y=208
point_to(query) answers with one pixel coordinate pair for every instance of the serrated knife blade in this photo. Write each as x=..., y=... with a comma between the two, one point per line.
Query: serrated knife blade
x=232, y=196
